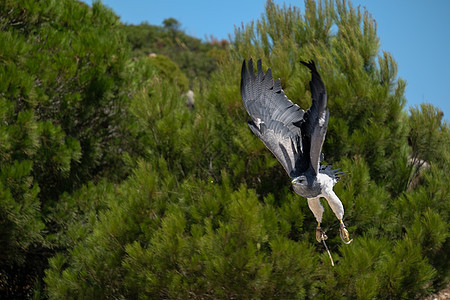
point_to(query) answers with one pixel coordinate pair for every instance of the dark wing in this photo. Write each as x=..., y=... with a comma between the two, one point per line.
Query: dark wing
x=314, y=128
x=275, y=119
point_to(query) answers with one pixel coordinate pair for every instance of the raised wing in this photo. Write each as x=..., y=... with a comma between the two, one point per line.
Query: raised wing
x=316, y=117
x=275, y=119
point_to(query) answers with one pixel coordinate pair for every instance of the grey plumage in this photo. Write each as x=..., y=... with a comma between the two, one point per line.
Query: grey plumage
x=275, y=118
x=294, y=136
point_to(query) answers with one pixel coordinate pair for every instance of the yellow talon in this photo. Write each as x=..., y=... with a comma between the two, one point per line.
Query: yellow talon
x=345, y=237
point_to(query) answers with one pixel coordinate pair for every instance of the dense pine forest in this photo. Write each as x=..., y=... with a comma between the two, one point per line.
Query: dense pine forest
x=111, y=187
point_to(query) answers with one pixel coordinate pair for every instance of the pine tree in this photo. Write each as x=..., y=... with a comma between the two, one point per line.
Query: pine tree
x=208, y=211
x=64, y=122
x=428, y=138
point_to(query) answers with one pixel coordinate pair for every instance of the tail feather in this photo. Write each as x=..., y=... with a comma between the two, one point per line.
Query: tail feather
x=335, y=174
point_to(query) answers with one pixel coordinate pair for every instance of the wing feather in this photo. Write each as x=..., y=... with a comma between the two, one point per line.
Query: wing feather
x=277, y=140
x=316, y=117
x=276, y=120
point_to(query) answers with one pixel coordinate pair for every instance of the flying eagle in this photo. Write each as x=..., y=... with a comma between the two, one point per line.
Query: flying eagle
x=295, y=137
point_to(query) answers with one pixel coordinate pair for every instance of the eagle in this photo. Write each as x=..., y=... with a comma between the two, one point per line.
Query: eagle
x=295, y=137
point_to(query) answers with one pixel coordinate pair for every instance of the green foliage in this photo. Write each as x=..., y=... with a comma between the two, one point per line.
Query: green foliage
x=207, y=211
x=428, y=137
x=381, y=269
x=152, y=243
x=64, y=92
x=169, y=71
x=196, y=59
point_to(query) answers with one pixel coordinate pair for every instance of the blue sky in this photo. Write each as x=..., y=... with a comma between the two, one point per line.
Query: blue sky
x=415, y=32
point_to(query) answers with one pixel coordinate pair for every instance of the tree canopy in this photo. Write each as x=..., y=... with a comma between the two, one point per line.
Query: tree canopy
x=110, y=187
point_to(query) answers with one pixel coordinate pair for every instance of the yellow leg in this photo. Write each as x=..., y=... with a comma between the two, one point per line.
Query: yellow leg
x=320, y=234
x=345, y=237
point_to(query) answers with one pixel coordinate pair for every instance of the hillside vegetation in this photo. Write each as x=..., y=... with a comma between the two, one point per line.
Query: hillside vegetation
x=112, y=188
